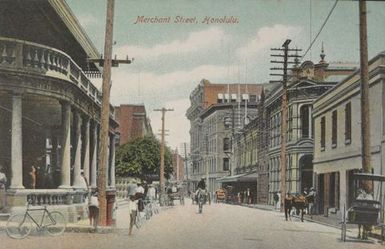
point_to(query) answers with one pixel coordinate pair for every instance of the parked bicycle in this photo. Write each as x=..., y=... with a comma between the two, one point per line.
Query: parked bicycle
x=20, y=225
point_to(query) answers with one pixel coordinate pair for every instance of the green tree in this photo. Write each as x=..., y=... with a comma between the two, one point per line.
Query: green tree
x=141, y=158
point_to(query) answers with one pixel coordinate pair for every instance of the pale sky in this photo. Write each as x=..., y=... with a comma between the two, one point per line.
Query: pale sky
x=172, y=58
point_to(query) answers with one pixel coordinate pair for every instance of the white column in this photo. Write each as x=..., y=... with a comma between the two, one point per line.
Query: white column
x=112, y=176
x=78, y=151
x=66, y=146
x=86, y=142
x=94, y=156
x=16, y=143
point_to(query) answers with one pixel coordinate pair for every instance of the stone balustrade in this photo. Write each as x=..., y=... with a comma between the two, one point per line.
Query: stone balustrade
x=39, y=59
x=56, y=197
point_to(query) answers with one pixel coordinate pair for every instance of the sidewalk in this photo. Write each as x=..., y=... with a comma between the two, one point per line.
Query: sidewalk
x=83, y=226
x=331, y=220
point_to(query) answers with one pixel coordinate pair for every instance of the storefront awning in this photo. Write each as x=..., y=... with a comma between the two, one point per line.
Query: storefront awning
x=248, y=177
x=229, y=178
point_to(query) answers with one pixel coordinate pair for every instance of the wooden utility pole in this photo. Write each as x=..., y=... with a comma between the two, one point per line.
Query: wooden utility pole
x=365, y=115
x=104, y=141
x=161, y=170
x=284, y=106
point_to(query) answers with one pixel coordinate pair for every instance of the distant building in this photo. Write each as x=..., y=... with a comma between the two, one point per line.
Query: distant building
x=178, y=165
x=216, y=113
x=133, y=122
x=337, y=138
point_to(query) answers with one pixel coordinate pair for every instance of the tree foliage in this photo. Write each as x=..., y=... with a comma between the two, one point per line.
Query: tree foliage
x=141, y=158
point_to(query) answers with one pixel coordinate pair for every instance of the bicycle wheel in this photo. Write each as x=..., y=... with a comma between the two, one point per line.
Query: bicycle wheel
x=155, y=208
x=18, y=226
x=55, y=223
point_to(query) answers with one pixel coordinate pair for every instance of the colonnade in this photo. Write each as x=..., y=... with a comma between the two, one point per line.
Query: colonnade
x=85, y=159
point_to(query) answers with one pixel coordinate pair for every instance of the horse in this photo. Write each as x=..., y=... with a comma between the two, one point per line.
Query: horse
x=201, y=199
x=299, y=202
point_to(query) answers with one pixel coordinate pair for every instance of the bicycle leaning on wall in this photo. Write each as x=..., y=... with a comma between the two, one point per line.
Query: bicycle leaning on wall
x=20, y=225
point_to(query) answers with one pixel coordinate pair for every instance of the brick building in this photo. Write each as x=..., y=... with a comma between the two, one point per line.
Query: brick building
x=178, y=166
x=217, y=111
x=133, y=122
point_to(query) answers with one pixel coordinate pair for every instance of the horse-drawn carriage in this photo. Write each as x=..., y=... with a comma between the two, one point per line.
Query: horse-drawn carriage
x=365, y=211
x=221, y=195
x=178, y=195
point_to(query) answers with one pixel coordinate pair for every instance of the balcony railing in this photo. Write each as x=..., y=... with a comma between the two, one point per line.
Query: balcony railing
x=39, y=59
x=55, y=197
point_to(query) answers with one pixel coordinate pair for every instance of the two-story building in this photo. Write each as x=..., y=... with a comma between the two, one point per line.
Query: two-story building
x=49, y=109
x=337, y=141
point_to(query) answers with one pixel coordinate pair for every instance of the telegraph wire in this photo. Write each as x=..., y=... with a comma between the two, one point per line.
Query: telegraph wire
x=320, y=30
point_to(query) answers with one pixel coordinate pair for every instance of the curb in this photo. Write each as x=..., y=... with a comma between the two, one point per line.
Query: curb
x=90, y=229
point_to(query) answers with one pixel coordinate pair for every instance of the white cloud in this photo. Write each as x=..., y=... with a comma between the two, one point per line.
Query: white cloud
x=128, y=85
x=175, y=122
x=267, y=37
x=170, y=90
x=195, y=41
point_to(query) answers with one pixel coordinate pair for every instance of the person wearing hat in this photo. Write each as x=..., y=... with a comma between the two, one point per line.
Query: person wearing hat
x=201, y=186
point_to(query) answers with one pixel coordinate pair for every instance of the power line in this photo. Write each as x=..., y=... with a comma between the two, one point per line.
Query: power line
x=320, y=30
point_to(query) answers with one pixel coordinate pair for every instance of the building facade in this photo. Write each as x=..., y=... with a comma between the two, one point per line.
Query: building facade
x=133, y=122
x=49, y=109
x=217, y=111
x=308, y=82
x=337, y=141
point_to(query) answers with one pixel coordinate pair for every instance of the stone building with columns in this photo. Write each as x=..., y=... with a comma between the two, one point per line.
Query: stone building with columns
x=49, y=109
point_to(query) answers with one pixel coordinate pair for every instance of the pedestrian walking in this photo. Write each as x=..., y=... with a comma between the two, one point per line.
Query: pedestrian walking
x=133, y=211
x=277, y=204
x=93, y=209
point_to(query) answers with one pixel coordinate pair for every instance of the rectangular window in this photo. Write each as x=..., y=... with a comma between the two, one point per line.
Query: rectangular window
x=226, y=164
x=334, y=129
x=348, y=123
x=226, y=144
x=323, y=133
